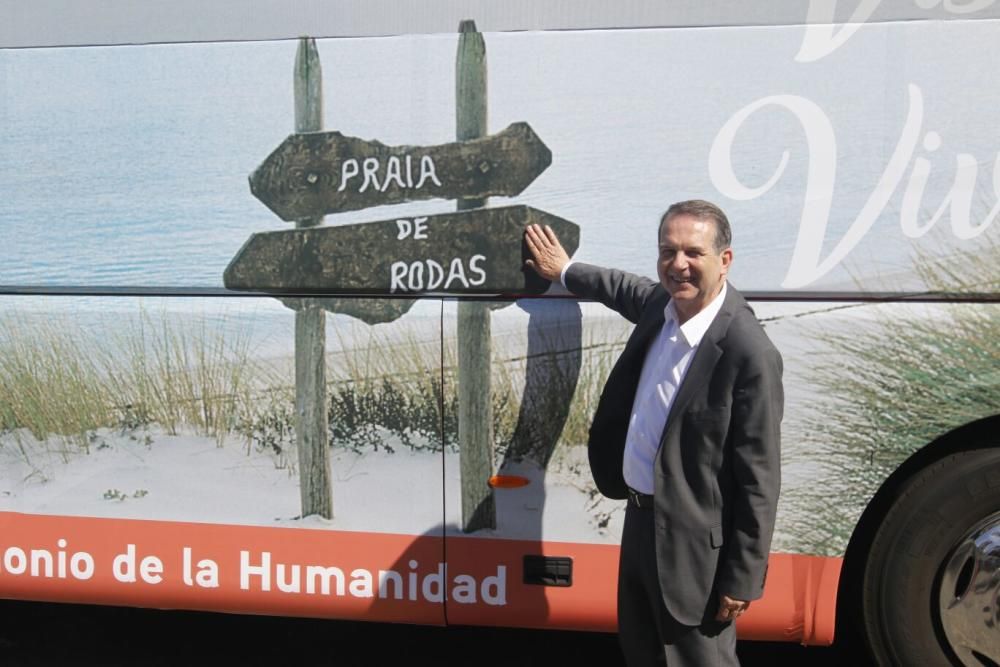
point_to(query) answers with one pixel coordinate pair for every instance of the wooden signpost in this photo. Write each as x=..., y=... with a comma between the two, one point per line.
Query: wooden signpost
x=475, y=344
x=311, y=428
x=327, y=172
x=475, y=250
x=469, y=252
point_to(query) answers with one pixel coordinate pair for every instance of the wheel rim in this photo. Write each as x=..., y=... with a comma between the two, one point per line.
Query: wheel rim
x=969, y=595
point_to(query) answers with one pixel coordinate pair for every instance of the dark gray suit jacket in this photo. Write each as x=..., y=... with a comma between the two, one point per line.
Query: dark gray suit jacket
x=718, y=467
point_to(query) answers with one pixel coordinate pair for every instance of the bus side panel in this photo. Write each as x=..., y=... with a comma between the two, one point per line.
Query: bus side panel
x=799, y=602
x=245, y=569
x=169, y=423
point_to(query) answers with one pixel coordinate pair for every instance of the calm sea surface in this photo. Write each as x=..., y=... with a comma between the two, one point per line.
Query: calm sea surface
x=127, y=166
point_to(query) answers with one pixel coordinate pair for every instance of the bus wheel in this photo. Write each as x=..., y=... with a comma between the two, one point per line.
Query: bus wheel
x=931, y=585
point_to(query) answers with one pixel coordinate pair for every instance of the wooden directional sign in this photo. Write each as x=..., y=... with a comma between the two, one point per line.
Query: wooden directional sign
x=480, y=251
x=316, y=173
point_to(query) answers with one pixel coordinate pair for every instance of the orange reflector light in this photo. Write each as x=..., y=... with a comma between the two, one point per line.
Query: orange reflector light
x=508, y=481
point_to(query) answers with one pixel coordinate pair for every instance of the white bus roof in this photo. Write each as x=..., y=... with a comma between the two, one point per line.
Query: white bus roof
x=107, y=22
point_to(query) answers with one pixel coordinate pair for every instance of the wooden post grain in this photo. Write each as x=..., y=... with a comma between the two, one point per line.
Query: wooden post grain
x=310, y=322
x=475, y=418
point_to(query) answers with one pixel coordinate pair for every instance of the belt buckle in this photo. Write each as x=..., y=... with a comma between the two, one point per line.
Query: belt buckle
x=636, y=497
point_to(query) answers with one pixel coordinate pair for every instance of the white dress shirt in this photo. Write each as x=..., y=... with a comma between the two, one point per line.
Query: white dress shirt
x=663, y=371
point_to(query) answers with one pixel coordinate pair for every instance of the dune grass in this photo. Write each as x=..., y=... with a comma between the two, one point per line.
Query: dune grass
x=49, y=385
x=62, y=384
x=59, y=381
x=179, y=377
x=384, y=392
x=891, y=385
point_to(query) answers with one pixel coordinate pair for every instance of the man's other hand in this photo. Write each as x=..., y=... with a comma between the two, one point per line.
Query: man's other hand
x=730, y=609
x=547, y=255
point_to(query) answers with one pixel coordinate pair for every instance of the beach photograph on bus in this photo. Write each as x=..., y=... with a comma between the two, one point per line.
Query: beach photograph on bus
x=153, y=196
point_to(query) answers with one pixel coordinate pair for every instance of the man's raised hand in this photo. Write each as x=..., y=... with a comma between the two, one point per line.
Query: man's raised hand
x=547, y=255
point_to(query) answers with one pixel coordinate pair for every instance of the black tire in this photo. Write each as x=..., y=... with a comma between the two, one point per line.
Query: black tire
x=935, y=512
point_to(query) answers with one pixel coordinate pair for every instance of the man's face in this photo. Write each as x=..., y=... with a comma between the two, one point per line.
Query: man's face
x=690, y=268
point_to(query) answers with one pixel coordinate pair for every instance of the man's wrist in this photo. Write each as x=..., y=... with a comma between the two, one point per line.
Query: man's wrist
x=562, y=274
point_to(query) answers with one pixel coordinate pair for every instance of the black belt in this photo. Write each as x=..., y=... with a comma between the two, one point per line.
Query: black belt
x=640, y=500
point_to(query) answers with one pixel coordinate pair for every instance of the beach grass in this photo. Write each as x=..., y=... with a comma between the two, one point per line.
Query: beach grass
x=180, y=377
x=49, y=384
x=61, y=384
x=385, y=392
x=891, y=385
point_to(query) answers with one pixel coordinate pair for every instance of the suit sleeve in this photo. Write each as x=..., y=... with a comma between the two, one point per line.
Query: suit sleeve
x=758, y=404
x=623, y=292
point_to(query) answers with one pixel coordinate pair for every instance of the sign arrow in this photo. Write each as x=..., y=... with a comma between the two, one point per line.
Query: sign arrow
x=480, y=251
x=316, y=173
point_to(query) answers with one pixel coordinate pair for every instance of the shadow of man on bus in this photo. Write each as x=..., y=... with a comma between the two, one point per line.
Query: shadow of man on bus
x=484, y=581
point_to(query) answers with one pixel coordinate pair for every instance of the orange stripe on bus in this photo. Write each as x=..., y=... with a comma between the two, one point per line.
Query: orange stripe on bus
x=799, y=602
x=360, y=575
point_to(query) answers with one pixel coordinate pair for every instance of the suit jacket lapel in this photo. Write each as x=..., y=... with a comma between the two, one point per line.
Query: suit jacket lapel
x=705, y=358
x=645, y=331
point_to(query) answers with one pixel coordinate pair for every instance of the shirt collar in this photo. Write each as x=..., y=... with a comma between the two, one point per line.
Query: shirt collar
x=695, y=328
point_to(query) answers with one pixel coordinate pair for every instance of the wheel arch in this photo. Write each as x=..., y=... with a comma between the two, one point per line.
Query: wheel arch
x=971, y=436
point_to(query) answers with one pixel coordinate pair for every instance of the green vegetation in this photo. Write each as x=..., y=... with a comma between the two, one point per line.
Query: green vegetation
x=62, y=384
x=385, y=391
x=61, y=381
x=890, y=385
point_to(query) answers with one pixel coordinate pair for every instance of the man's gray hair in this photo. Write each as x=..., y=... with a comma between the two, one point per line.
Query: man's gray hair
x=702, y=210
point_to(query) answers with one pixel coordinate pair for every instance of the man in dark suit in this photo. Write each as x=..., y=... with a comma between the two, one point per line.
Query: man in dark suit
x=688, y=430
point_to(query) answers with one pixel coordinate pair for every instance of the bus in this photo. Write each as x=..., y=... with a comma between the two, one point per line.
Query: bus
x=267, y=344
